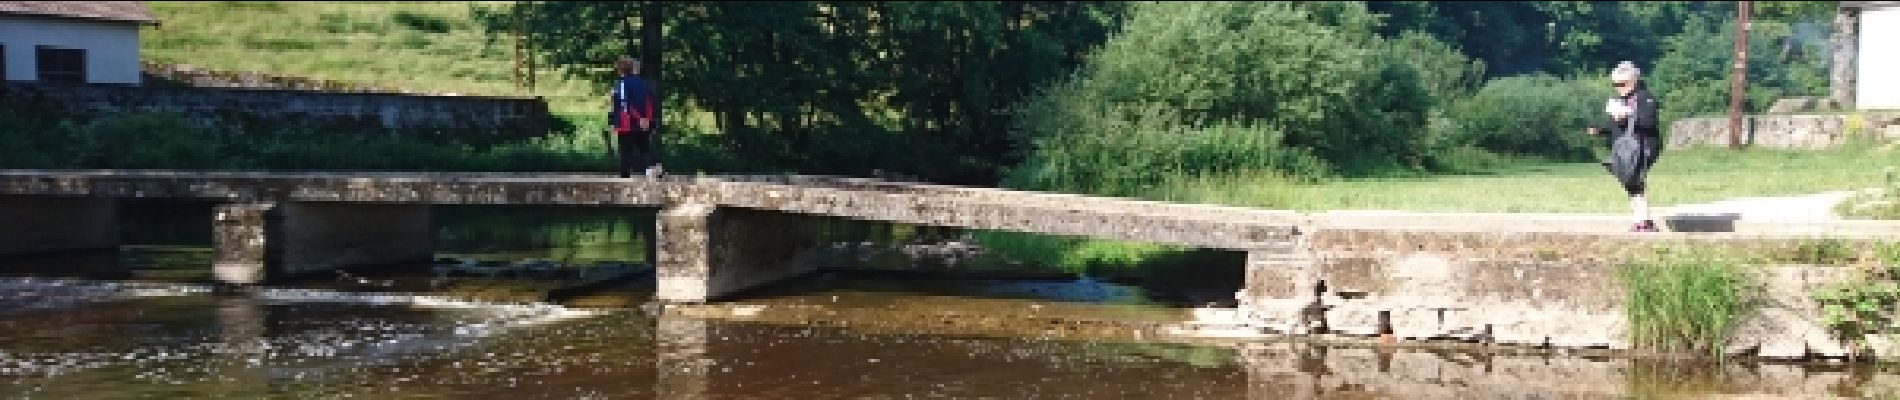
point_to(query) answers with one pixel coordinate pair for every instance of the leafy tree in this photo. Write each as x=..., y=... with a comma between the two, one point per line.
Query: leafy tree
x=793, y=84
x=1693, y=76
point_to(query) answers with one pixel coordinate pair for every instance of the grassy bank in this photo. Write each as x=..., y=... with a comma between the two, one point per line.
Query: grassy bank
x=427, y=46
x=1680, y=177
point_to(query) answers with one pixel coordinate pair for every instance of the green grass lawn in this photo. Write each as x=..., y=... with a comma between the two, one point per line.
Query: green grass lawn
x=1680, y=177
x=427, y=46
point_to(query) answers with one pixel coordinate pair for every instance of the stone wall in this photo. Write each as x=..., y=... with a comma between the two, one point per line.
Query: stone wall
x=468, y=118
x=1514, y=288
x=1815, y=131
x=177, y=75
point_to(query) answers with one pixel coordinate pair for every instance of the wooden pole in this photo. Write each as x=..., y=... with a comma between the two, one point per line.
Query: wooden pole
x=517, y=44
x=1740, y=74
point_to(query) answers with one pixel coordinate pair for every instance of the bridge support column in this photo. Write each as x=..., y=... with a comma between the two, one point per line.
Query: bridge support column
x=1282, y=292
x=707, y=251
x=259, y=242
x=35, y=224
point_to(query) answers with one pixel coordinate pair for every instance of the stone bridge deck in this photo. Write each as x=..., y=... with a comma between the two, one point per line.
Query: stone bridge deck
x=1189, y=225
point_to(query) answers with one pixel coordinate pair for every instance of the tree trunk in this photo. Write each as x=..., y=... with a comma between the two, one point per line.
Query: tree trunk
x=650, y=43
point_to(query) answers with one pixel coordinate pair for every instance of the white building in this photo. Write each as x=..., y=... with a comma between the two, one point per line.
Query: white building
x=1867, y=55
x=61, y=42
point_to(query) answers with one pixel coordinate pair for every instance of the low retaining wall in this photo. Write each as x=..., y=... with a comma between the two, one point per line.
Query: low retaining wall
x=467, y=118
x=1517, y=288
x=1783, y=131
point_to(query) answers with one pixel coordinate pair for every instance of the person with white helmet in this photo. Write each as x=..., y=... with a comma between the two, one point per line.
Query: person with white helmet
x=1635, y=141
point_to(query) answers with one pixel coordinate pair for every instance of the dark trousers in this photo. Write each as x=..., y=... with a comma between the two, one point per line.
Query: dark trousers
x=636, y=152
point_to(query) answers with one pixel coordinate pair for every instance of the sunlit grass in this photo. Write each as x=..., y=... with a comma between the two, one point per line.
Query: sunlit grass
x=1680, y=177
x=425, y=46
x=1684, y=302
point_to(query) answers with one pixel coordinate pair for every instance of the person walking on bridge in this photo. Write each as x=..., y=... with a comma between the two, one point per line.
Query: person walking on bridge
x=1635, y=141
x=634, y=119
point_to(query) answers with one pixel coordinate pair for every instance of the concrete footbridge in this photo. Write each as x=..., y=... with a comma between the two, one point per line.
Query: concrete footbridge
x=1519, y=278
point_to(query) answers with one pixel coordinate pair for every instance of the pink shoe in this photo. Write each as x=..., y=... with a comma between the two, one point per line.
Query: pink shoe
x=1645, y=226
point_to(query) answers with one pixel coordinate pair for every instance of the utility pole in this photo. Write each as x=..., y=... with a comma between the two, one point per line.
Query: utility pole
x=1740, y=74
x=517, y=46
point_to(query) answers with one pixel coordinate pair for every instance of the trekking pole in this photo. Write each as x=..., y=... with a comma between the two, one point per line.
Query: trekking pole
x=607, y=135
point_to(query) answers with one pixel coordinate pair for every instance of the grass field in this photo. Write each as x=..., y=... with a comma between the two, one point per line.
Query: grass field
x=1680, y=177
x=426, y=46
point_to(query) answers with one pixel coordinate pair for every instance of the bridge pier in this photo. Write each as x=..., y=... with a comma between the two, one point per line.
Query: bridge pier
x=707, y=251
x=1281, y=292
x=259, y=242
x=37, y=224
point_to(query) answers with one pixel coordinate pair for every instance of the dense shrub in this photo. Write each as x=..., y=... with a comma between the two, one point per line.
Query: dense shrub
x=1199, y=88
x=1530, y=116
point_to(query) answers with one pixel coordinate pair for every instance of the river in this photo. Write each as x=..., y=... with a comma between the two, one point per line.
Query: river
x=139, y=323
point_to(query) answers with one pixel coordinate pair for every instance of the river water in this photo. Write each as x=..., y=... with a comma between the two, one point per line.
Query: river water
x=140, y=324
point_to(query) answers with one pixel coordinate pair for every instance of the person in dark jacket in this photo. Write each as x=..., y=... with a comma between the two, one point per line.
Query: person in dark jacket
x=634, y=119
x=1635, y=141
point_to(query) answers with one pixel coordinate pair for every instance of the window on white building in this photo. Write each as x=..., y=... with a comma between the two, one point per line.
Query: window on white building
x=61, y=66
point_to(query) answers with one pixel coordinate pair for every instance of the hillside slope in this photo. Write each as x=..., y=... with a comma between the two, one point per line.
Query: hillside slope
x=424, y=46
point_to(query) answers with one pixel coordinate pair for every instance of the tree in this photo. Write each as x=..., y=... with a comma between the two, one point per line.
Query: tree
x=803, y=85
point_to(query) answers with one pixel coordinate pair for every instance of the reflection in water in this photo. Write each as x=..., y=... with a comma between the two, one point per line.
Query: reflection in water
x=118, y=342
x=684, y=369
x=1309, y=371
x=570, y=235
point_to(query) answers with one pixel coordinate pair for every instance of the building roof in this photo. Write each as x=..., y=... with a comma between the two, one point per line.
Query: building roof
x=1862, y=5
x=116, y=11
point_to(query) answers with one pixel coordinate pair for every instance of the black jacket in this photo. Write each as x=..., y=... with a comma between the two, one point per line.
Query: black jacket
x=1645, y=115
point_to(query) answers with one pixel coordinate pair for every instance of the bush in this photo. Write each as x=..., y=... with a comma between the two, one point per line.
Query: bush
x=1444, y=72
x=422, y=22
x=30, y=140
x=1196, y=88
x=150, y=140
x=1142, y=153
x=1530, y=116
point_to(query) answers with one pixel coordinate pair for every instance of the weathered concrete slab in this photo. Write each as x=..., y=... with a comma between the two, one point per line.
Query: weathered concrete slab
x=1189, y=225
x=707, y=251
